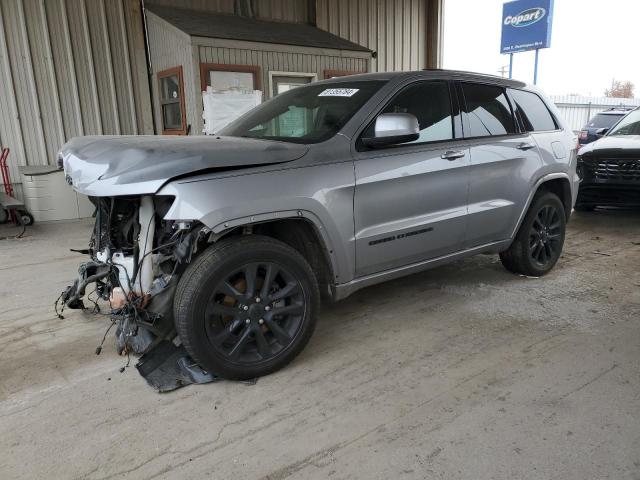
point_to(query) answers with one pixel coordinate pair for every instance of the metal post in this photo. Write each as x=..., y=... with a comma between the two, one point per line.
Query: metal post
x=535, y=68
x=511, y=65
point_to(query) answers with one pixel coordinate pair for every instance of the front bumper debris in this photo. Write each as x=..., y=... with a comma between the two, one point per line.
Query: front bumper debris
x=167, y=367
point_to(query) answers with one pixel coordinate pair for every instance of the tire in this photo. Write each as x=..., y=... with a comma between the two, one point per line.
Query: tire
x=4, y=215
x=238, y=328
x=539, y=241
x=25, y=218
x=584, y=208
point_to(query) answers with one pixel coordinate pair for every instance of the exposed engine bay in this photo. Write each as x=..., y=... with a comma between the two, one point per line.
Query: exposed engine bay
x=136, y=261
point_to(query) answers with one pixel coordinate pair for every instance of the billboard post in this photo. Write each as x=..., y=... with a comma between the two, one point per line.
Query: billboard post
x=526, y=25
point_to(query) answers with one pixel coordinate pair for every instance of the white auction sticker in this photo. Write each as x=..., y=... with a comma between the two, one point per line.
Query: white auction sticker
x=338, y=92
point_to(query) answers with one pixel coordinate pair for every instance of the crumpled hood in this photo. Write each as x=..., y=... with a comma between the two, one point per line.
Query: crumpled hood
x=613, y=146
x=136, y=165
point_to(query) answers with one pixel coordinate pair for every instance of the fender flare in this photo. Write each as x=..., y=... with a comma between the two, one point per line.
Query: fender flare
x=265, y=217
x=534, y=190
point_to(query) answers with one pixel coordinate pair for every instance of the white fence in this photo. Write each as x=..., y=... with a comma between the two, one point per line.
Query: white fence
x=578, y=110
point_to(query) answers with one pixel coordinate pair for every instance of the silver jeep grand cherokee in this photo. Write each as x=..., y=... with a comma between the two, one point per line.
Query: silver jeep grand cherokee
x=229, y=242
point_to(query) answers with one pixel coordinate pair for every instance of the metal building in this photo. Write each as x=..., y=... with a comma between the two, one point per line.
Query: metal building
x=90, y=67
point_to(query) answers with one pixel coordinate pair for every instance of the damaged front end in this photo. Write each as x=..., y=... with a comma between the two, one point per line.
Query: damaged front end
x=137, y=259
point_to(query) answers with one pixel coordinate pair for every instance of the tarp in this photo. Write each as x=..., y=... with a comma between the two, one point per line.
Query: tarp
x=221, y=108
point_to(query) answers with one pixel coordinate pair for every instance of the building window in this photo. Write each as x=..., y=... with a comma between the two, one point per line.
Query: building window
x=171, y=86
x=223, y=77
x=280, y=82
x=339, y=73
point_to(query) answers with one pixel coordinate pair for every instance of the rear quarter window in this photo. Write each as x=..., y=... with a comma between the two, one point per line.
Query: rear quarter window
x=532, y=112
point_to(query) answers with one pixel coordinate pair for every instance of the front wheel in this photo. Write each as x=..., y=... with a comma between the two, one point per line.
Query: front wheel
x=246, y=307
x=539, y=241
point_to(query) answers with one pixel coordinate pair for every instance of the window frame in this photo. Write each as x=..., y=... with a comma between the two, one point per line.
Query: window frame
x=466, y=126
x=169, y=72
x=277, y=73
x=206, y=68
x=457, y=132
x=521, y=126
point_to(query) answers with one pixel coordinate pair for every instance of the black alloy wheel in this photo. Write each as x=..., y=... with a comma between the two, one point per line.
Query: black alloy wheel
x=540, y=238
x=545, y=235
x=254, y=312
x=246, y=306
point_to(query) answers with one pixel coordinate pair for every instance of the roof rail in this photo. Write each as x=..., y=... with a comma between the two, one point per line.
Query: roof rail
x=621, y=107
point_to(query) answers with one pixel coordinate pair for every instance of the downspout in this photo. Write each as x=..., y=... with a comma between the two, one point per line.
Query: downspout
x=147, y=53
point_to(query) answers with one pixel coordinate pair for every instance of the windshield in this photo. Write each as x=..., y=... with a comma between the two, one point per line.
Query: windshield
x=629, y=125
x=308, y=114
x=604, y=120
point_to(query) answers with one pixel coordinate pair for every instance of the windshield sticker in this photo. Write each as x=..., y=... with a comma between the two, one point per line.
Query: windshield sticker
x=338, y=92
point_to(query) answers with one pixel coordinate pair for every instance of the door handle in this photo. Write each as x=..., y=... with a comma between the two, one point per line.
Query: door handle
x=452, y=154
x=525, y=146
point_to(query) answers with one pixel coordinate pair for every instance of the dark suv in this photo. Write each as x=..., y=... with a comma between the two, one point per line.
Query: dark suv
x=609, y=169
x=600, y=123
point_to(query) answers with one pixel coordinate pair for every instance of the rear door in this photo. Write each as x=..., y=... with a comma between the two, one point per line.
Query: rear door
x=411, y=199
x=503, y=161
x=554, y=144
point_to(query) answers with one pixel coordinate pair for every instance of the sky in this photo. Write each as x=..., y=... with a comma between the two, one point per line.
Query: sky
x=592, y=41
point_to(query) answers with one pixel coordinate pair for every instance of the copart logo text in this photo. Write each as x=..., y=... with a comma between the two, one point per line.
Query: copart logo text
x=525, y=18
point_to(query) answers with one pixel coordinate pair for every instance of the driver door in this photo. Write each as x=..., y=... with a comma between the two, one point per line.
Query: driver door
x=410, y=200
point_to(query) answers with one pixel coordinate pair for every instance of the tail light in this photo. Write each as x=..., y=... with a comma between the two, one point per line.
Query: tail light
x=584, y=134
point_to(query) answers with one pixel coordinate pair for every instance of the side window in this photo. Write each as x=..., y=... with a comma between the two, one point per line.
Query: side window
x=532, y=112
x=430, y=103
x=171, y=88
x=487, y=110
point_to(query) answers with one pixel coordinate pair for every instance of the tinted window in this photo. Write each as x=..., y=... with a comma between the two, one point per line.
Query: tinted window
x=488, y=111
x=603, y=120
x=430, y=103
x=532, y=111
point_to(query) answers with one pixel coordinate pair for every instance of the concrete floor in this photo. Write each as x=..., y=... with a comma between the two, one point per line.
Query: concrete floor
x=463, y=372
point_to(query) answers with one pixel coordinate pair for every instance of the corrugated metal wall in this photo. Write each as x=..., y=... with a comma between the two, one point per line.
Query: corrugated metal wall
x=395, y=29
x=68, y=68
x=577, y=110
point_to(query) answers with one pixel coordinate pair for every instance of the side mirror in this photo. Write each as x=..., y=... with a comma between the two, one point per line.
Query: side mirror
x=601, y=132
x=393, y=128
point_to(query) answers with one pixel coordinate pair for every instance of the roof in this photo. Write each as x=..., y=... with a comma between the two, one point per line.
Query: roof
x=435, y=74
x=214, y=25
x=616, y=110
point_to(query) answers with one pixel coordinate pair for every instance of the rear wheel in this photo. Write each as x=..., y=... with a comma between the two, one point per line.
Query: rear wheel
x=539, y=241
x=246, y=307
